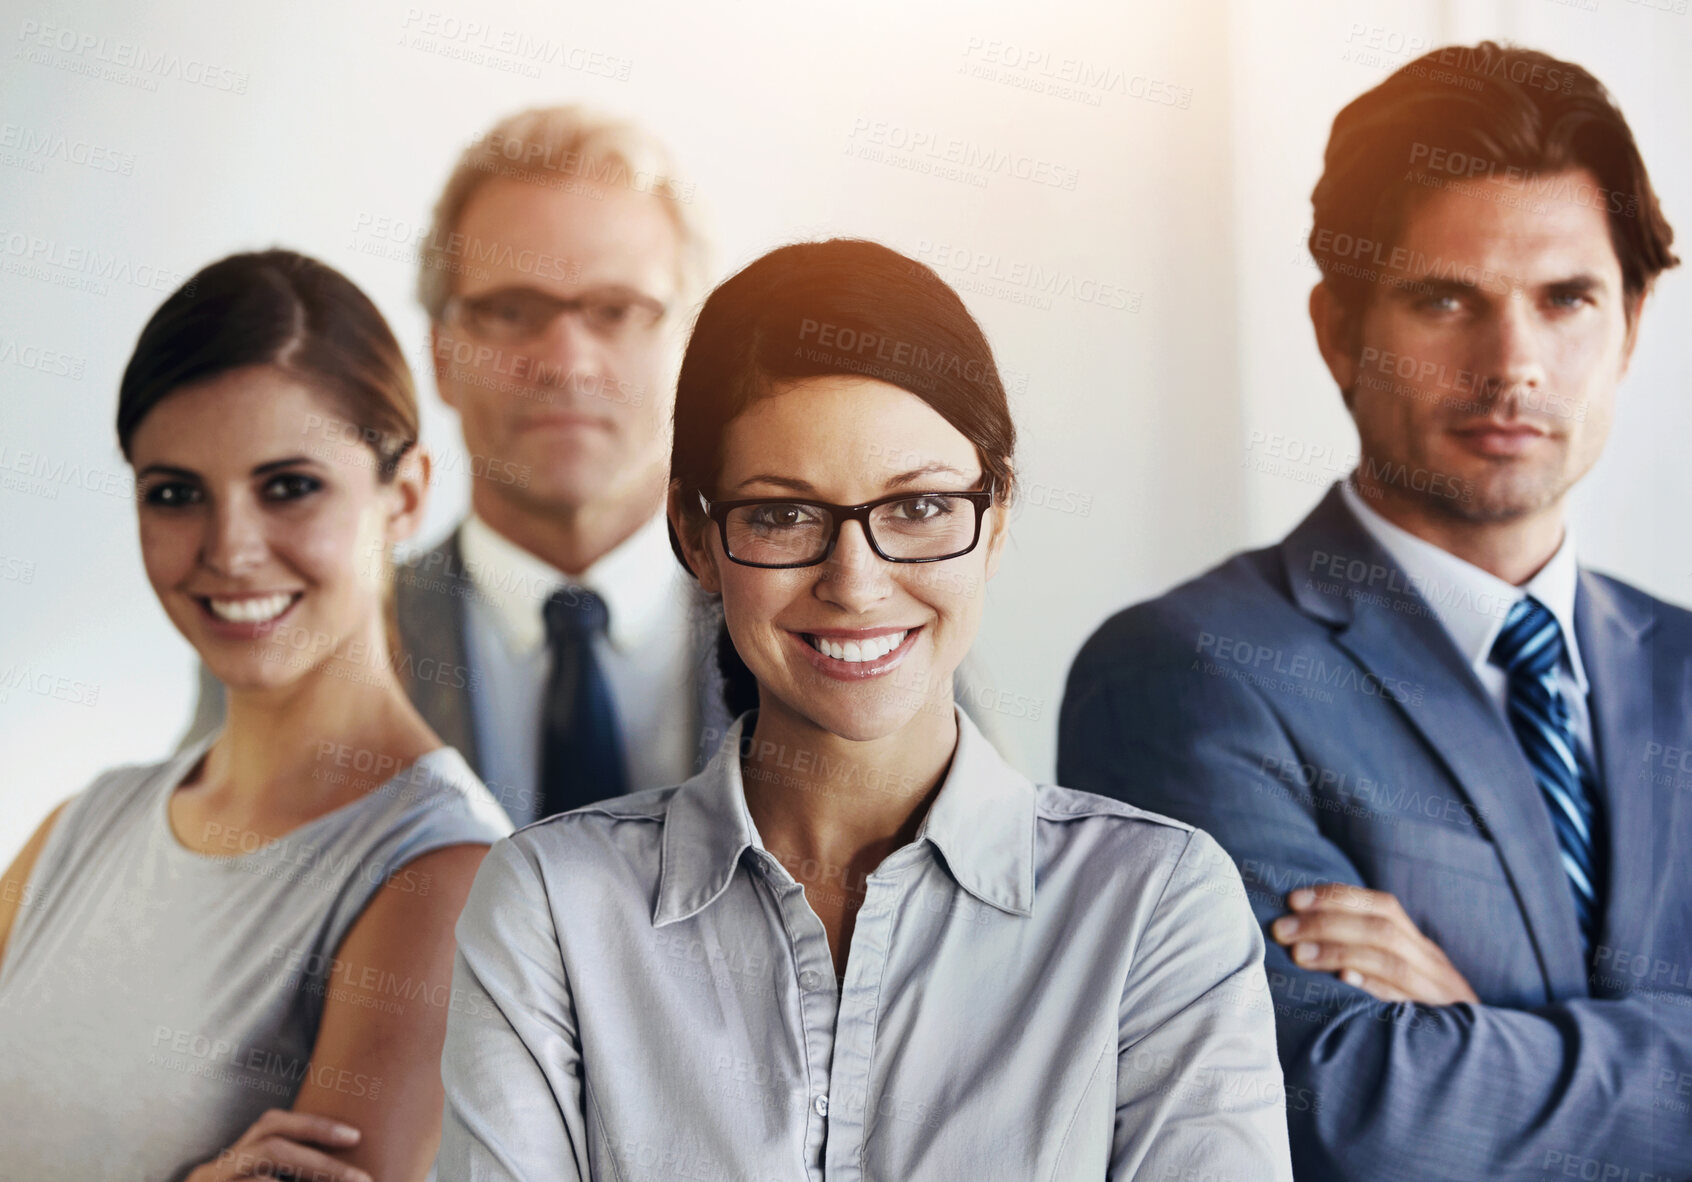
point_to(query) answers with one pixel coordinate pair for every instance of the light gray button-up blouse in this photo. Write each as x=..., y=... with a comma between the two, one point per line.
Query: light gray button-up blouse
x=1045, y=984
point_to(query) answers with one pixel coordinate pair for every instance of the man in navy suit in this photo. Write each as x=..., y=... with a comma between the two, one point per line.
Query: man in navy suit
x=1453, y=765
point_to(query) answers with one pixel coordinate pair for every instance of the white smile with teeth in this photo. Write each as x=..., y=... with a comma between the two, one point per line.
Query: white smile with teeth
x=251, y=611
x=859, y=650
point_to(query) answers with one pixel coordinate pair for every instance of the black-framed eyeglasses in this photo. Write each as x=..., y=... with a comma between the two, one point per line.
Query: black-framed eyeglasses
x=782, y=532
x=519, y=315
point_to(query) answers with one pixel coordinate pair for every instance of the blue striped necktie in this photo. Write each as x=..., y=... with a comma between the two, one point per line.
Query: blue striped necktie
x=1529, y=650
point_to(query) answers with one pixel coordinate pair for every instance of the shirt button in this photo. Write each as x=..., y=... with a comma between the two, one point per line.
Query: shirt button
x=820, y=1105
x=809, y=978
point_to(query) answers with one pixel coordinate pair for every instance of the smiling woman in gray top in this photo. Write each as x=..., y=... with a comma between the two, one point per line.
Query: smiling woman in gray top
x=859, y=944
x=237, y=962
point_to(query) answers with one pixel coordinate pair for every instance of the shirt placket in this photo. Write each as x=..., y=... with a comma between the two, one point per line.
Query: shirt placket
x=818, y=1006
x=850, y=1102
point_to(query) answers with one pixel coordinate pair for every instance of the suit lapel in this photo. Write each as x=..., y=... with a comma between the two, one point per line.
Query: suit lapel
x=1338, y=574
x=1618, y=664
x=430, y=597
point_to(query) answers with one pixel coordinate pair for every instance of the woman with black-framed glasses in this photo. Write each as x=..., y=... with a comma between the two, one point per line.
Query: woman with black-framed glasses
x=859, y=944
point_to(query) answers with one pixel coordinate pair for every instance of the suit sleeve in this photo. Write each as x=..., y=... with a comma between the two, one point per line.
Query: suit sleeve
x=1198, y=1086
x=511, y=1066
x=1375, y=1090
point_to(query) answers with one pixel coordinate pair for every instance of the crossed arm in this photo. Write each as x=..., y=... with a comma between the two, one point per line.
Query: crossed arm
x=370, y=1106
x=1402, y=1075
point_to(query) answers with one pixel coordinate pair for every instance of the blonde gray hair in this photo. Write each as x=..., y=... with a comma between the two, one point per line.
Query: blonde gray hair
x=561, y=147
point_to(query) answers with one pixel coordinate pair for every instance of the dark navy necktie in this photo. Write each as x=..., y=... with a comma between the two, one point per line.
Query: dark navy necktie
x=581, y=747
x=1529, y=650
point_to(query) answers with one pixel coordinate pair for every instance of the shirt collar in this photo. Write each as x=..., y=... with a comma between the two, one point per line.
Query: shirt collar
x=637, y=579
x=982, y=822
x=1472, y=603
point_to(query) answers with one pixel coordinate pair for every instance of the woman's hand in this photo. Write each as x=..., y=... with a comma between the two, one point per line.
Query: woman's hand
x=279, y=1144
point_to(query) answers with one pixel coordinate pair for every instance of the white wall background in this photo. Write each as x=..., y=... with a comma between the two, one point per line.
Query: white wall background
x=1138, y=423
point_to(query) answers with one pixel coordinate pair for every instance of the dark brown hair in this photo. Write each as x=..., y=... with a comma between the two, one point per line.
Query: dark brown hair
x=1469, y=113
x=815, y=309
x=303, y=317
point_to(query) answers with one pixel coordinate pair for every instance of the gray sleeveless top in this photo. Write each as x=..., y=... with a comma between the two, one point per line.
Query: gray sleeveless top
x=154, y=1001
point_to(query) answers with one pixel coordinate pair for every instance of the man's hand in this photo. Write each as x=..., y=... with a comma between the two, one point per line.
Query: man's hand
x=1365, y=937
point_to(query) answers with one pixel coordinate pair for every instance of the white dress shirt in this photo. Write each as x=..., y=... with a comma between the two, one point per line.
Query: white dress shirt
x=1472, y=603
x=647, y=657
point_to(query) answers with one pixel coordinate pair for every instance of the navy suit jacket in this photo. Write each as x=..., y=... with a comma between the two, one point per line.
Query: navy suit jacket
x=1304, y=705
